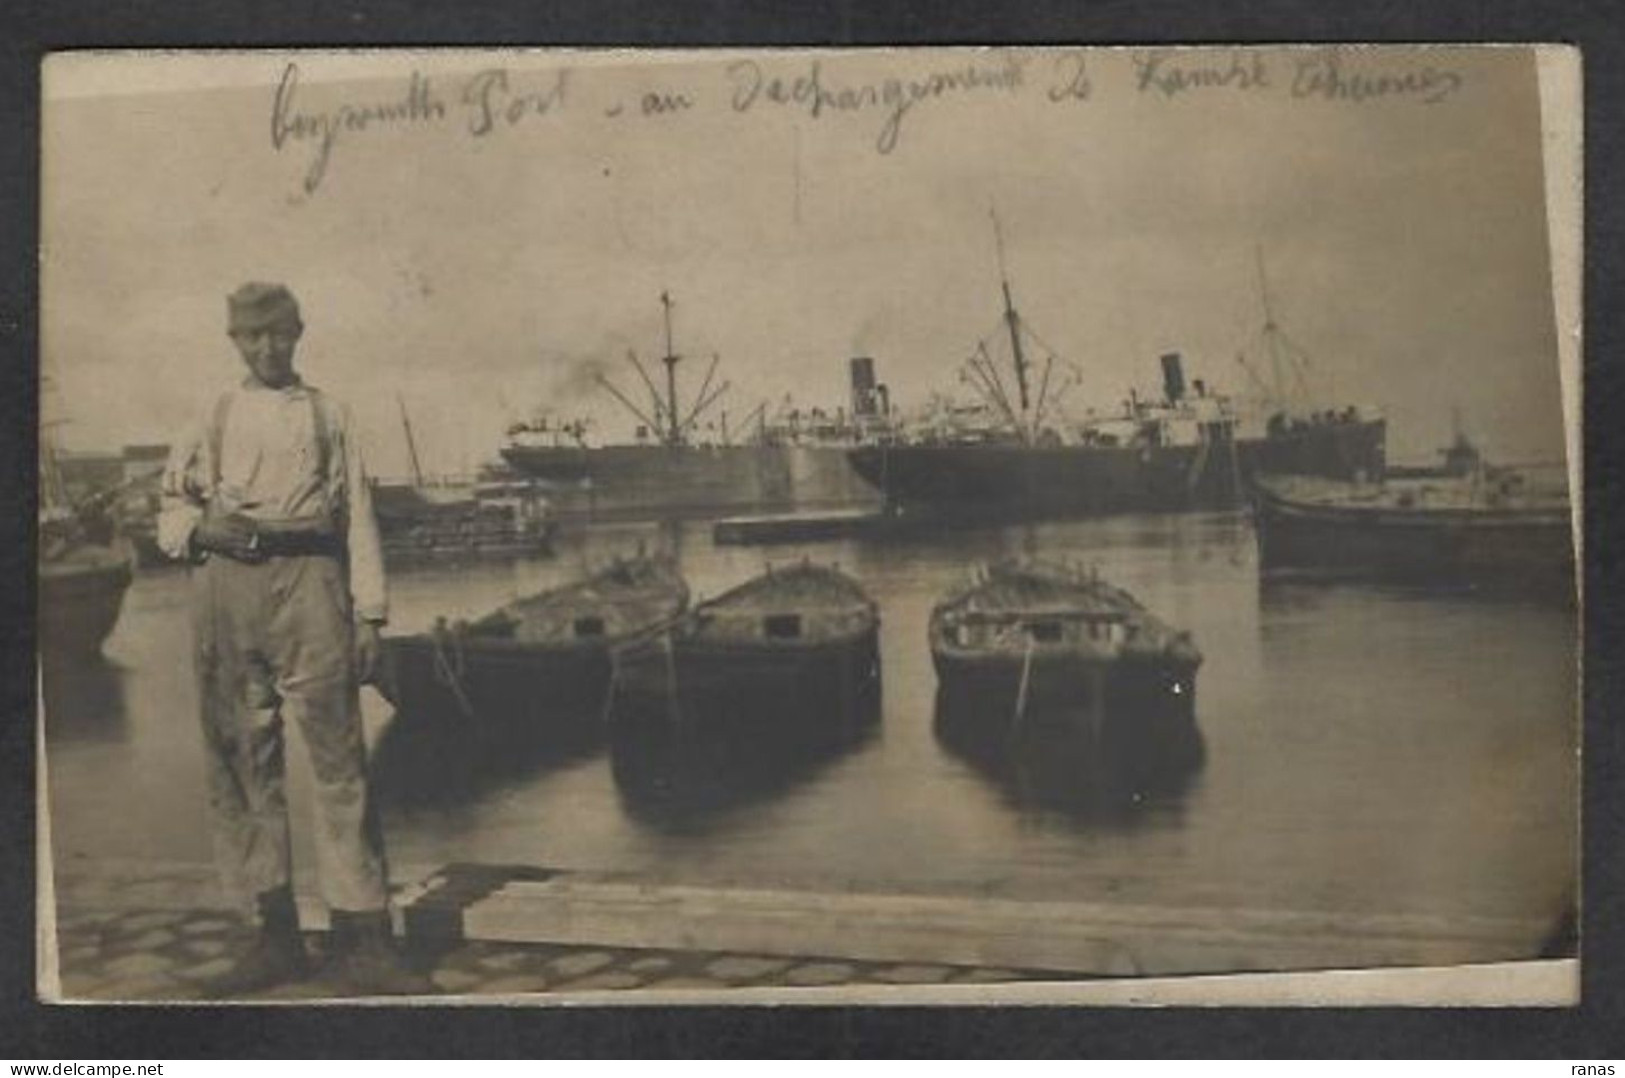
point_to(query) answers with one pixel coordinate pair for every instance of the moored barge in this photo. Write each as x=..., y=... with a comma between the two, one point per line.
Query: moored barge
x=1491, y=528
x=1028, y=640
x=796, y=645
x=537, y=659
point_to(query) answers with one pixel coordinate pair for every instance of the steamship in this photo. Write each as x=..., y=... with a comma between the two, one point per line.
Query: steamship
x=1017, y=454
x=684, y=460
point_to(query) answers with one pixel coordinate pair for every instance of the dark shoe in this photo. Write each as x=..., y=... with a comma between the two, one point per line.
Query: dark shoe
x=275, y=956
x=368, y=962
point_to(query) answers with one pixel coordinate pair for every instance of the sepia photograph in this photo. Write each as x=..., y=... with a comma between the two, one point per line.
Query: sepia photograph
x=944, y=525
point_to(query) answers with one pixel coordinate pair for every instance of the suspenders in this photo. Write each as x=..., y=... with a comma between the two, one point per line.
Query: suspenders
x=217, y=434
x=321, y=429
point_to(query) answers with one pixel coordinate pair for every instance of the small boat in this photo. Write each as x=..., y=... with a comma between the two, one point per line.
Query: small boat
x=470, y=521
x=423, y=519
x=539, y=658
x=1028, y=639
x=85, y=567
x=1491, y=528
x=81, y=591
x=797, y=641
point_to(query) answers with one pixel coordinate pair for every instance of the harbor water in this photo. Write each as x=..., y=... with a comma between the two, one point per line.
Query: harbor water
x=1365, y=750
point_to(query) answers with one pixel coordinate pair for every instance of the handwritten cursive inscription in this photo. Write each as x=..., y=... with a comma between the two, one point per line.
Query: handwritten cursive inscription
x=289, y=124
x=1071, y=81
x=1172, y=74
x=497, y=99
x=893, y=98
x=1325, y=77
x=490, y=98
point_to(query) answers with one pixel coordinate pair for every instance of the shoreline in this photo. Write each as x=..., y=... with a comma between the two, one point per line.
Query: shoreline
x=152, y=932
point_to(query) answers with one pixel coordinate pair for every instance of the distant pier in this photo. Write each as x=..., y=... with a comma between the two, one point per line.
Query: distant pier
x=799, y=527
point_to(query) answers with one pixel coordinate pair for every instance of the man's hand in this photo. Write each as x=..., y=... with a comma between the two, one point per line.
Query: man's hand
x=231, y=534
x=368, y=649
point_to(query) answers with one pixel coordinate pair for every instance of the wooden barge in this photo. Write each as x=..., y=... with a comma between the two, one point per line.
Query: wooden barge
x=796, y=644
x=1487, y=529
x=1030, y=641
x=537, y=660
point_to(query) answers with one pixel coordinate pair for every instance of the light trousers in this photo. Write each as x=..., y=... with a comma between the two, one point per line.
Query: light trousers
x=276, y=640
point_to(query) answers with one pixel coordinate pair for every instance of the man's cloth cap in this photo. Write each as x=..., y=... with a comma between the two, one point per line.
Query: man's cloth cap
x=260, y=306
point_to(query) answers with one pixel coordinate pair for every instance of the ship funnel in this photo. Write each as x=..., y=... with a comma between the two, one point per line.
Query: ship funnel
x=864, y=402
x=1173, y=377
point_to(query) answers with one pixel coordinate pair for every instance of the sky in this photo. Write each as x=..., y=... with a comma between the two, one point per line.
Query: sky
x=477, y=277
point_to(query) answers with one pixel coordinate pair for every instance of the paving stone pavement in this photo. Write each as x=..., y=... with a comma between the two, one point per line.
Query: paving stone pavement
x=141, y=954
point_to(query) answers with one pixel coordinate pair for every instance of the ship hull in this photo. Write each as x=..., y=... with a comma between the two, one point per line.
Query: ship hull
x=640, y=482
x=771, y=690
x=1510, y=548
x=79, y=601
x=539, y=690
x=1125, y=694
x=1037, y=481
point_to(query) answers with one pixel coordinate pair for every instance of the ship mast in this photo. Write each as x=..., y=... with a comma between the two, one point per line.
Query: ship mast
x=1271, y=330
x=664, y=420
x=1013, y=321
x=1285, y=356
x=411, y=443
x=53, y=495
x=53, y=490
x=670, y=359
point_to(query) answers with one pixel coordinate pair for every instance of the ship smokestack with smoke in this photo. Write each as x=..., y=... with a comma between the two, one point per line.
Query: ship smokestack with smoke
x=863, y=386
x=576, y=377
x=870, y=399
x=1173, y=377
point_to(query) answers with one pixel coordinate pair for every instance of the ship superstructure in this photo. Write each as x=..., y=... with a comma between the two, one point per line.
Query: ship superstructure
x=685, y=458
x=1017, y=451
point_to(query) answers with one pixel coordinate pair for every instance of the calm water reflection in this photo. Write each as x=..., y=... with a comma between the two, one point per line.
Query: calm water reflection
x=1062, y=765
x=84, y=699
x=1359, y=748
x=682, y=782
x=425, y=761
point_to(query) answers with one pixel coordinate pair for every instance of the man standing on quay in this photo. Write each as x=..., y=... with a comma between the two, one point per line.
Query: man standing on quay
x=271, y=503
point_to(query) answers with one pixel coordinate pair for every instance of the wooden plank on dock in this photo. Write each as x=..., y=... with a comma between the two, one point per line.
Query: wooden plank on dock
x=519, y=904
x=1086, y=938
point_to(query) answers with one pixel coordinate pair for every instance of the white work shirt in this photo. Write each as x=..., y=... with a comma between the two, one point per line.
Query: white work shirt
x=270, y=470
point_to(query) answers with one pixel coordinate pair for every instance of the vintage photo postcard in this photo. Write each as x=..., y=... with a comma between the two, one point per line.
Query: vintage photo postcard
x=949, y=525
